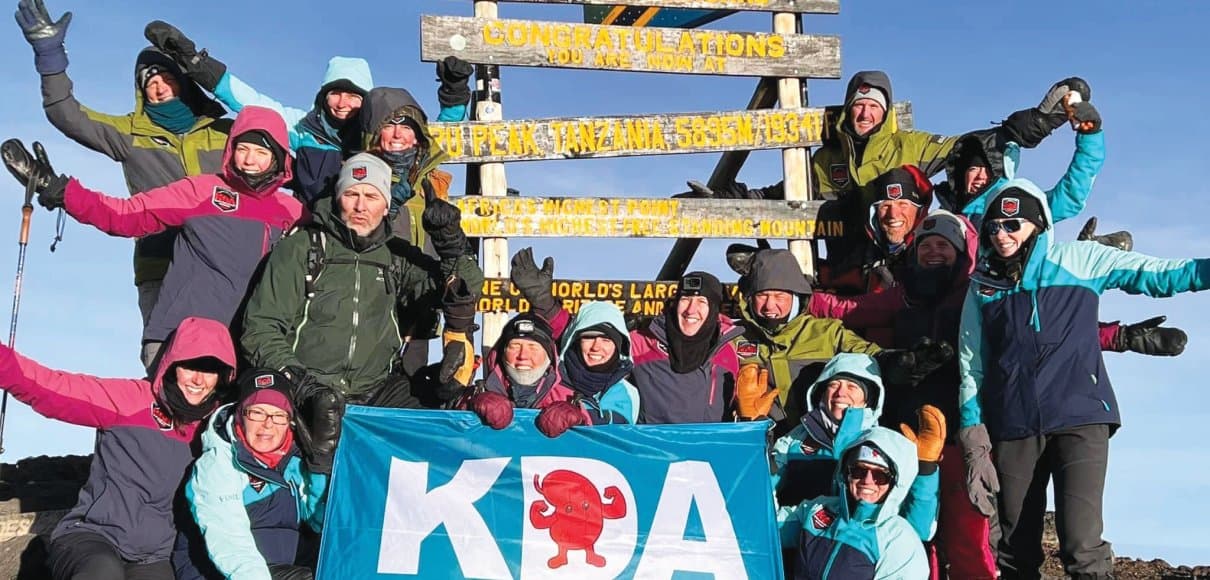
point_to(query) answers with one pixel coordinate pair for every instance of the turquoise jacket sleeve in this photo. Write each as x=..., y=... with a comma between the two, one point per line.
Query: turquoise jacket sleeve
x=970, y=359
x=789, y=523
x=901, y=555
x=921, y=506
x=1102, y=268
x=235, y=94
x=1068, y=197
x=451, y=114
x=215, y=492
x=314, y=501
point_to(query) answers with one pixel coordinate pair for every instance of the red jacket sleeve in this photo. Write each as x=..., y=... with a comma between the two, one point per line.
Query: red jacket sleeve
x=1108, y=332
x=72, y=398
x=859, y=312
x=144, y=214
x=558, y=323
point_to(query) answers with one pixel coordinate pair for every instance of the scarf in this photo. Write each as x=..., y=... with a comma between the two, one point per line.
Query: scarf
x=178, y=406
x=688, y=353
x=592, y=381
x=174, y=116
x=273, y=458
x=929, y=285
x=401, y=163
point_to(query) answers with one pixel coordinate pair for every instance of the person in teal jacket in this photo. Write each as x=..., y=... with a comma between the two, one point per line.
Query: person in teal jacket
x=1035, y=399
x=858, y=532
x=251, y=491
x=594, y=360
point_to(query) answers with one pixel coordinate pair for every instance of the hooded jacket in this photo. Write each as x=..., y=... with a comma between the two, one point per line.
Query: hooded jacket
x=248, y=516
x=701, y=396
x=150, y=155
x=618, y=403
x=227, y=228
x=838, y=538
x=1029, y=351
x=347, y=334
x=550, y=388
x=141, y=453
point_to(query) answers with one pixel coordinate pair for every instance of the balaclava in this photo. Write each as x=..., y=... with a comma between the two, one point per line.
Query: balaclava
x=258, y=182
x=687, y=353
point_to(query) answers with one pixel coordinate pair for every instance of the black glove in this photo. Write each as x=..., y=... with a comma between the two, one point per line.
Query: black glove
x=443, y=222
x=907, y=367
x=534, y=283
x=1148, y=337
x=318, y=427
x=454, y=74
x=1085, y=118
x=1053, y=104
x=1121, y=240
x=50, y=57
x=200, y=66
x=35, y=169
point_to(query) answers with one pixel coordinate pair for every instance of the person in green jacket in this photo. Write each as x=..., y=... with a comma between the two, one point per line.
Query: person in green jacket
x=327, y=309
x=175, y=131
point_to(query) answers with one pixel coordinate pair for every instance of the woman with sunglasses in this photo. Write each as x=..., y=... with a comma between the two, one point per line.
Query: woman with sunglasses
x=251, y=492
x=1035, y=397
x=859, y=533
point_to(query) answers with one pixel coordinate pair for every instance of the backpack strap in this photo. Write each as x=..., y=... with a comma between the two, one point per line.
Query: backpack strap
x=315, y=260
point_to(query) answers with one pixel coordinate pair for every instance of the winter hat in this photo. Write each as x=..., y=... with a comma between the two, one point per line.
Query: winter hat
x=256, y=137
x=264, y=386
x=701, y=284
x=867, y=92
x=144, y=73
x=776, y=270
x=365, y=168
x=608, y=331
x=945, y=224
x=1016, y=203
x=972, y=155
x=902, y=183
x=529, y=326
x=870, y=455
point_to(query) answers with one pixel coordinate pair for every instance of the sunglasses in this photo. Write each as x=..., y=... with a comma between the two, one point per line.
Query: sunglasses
x=1010, y=225
x=858, y=472
x=259, y=416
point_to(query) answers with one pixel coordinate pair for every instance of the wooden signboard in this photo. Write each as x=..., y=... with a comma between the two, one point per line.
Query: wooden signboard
x=795, y=6
x=625, y=48
x=635, y=298
x=592, y=137
x=587, y=217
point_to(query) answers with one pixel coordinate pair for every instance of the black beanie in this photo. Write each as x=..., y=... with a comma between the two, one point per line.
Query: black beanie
x=529, y=326
x=1014, y=202
x=265, y=386
x=701, y=284
x=902, y=183
x=256, y=137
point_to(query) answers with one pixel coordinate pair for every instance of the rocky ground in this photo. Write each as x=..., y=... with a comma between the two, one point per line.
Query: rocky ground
x=36, y=492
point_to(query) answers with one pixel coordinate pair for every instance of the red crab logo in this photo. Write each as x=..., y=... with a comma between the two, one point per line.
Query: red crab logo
x=577, y=514
x=1009, y=206
x=894, y=191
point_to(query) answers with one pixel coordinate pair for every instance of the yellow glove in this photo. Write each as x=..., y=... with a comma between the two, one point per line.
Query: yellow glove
x=752, y=392
x=931, y=438
x=458, y=358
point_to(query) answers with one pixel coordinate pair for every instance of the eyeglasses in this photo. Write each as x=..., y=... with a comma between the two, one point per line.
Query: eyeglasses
x=858, y=472
x=1010, y=225
x=260, y=416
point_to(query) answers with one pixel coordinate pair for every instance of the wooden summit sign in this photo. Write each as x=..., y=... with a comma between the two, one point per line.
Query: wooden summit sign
x=587, y=217
x=795, y=6
x=635, y=298
x=591, y=137
x=626, y=48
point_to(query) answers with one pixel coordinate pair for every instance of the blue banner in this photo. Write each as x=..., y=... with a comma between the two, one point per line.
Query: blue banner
x=436, y=494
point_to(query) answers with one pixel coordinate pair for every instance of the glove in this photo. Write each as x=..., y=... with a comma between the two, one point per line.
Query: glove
x=454, y=74
x=443, y=222
x=318, y=418
x=752, y=392
x=908, y=367
x=982, y=485
x=50, y=57
x=1148, y=337
x=35, y=170
x=494, y=409
x=931, y=438
x=534, y=283
x=200, y=66
x=556, y=419
x=1054, y=103
x=1084, y=117
x=1121, y=240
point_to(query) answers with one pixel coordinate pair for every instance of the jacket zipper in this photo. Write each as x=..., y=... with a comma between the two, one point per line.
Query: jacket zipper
x=356, y=311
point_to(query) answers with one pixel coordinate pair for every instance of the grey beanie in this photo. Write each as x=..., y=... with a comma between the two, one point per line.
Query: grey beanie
x=365, y=168
x=776, y=270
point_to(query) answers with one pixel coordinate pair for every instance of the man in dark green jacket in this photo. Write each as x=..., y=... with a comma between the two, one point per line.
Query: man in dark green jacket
x=173, y=132
x=328, y=304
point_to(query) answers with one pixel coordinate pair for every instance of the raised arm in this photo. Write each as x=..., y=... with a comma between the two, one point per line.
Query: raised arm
x=1069, y=196
x=72, y=398
x=151, y=212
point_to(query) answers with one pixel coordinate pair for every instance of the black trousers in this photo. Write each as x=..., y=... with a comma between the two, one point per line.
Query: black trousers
x=1076, y=458
x=90, y=556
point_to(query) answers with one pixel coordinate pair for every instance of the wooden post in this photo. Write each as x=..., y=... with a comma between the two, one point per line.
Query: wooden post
x=492, y=183
x=794, y=161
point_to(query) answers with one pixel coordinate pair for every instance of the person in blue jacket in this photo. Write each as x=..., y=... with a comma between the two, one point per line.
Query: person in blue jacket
x=330, y=132
x=1035, y=398
x=594, y=360
x=251, y=491
x=858, y=532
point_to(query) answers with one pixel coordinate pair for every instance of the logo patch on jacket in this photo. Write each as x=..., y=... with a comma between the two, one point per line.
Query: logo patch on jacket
x=746, y=349
x=256, y=483
x=225, y=199
x=264, y=381
x=839, y=173
x=1009, y=206
x=822, y=519
x=162, y=420
x=359, y=172
x=894, y=191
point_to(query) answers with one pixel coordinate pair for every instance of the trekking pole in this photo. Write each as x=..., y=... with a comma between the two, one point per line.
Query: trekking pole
x=27, y=213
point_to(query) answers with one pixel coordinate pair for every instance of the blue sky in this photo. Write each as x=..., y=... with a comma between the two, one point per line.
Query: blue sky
x=962, y=64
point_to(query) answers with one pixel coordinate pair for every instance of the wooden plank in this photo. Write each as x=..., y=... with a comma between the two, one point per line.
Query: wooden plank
x=492, y=184
x=591, y=137
x=588, y=217
x=795, y=182
x=625, y=48
x=636, y=298
x=795, y=6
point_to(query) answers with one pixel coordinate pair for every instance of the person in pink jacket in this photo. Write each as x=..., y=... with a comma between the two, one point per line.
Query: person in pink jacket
x=228, y=220
x=123, y=524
